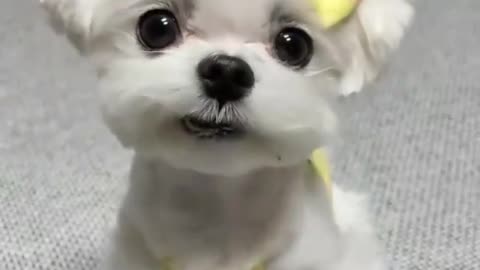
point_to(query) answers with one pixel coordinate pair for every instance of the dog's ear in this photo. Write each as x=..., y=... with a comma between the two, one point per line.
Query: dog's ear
x=368, y=37
x=72, y=18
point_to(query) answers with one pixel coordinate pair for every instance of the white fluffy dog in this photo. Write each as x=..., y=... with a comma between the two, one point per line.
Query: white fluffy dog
x=223, y=101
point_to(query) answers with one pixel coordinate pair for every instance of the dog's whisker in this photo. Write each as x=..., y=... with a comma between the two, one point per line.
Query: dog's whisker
x=312, y=73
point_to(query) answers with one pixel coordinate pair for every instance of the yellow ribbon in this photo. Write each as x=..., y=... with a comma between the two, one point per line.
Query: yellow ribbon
x=332, y=12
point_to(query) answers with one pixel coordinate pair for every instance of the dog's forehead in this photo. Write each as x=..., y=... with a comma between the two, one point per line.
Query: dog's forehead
x=245, y=17
x=255, y=10
x=213, y=16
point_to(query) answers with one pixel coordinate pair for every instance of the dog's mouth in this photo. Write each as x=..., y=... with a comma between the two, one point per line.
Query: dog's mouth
x=211, y=129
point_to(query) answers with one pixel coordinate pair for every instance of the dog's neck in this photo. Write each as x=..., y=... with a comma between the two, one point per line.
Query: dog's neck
x=267, y=184
x=242, y=216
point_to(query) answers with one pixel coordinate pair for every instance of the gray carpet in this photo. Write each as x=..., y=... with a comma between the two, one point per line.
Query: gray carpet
x=413, y=141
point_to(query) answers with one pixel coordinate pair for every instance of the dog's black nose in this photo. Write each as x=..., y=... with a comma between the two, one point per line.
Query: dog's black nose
x=226, y=78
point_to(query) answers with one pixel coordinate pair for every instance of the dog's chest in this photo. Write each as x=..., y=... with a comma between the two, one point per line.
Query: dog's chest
x=205, y=217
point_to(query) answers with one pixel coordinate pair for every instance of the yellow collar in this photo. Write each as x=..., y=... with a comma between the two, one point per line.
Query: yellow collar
x=321, y=166
x=332, y=12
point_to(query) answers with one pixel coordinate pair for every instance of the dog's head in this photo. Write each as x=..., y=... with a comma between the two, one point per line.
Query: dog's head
x=226, y=86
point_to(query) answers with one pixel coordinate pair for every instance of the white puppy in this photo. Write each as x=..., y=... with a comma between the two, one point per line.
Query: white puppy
x=223, y=101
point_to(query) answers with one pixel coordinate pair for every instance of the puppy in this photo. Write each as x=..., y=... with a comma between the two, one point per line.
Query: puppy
x=223, y=102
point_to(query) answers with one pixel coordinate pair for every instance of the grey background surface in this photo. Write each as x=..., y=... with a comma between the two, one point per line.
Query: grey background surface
x=413, y=141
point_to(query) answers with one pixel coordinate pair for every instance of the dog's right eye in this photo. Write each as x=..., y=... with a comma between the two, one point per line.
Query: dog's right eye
x=157, y=29
x=294, y=47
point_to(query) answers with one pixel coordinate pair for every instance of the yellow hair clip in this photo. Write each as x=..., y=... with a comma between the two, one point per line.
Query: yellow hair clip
x=332, y=12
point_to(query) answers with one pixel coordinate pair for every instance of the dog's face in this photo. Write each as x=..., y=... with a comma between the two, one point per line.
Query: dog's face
x=218, y=86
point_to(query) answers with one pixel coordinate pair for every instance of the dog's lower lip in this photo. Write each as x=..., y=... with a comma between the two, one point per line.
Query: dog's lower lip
x=210, y=129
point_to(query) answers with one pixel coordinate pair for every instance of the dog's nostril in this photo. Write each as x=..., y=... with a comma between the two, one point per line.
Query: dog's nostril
x=225, y=78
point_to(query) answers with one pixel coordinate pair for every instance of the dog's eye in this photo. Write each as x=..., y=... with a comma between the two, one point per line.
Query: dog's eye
x=294, y=47
x=157, y=29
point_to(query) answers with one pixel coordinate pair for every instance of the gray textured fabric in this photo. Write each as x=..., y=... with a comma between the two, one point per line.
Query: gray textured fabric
x=413, y=141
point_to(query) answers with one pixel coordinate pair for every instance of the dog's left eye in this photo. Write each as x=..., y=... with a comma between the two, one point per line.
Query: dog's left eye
x=157, y=29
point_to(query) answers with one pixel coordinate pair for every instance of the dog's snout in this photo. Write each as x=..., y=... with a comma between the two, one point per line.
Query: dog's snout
x=226, y=78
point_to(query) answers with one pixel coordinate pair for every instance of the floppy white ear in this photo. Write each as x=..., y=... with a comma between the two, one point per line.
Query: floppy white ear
x=72, y=18
x=370, y=36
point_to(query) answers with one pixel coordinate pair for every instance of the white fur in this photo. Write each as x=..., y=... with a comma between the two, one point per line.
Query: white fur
x=382, y=25
x=225, y=204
